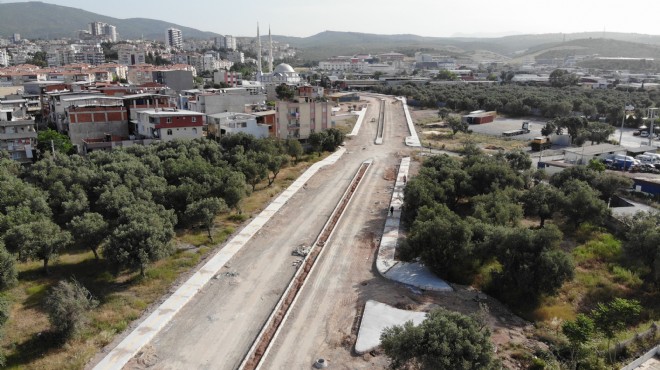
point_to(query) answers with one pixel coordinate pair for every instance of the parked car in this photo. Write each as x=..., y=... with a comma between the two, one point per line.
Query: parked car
x=636, y=133
x=644, y=134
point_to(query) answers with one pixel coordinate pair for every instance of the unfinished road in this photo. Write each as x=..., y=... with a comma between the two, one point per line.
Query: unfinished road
x=217, y=327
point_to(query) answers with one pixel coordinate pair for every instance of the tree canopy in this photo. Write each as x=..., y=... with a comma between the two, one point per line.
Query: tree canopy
x=445, y=340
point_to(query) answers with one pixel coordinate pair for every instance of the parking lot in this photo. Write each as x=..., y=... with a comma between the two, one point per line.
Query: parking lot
x=497, y=127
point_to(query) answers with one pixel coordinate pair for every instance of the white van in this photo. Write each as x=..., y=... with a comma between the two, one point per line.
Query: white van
x=655, y=156
x=646, y=159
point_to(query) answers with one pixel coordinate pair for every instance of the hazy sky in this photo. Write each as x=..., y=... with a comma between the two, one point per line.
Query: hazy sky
x=420, y=17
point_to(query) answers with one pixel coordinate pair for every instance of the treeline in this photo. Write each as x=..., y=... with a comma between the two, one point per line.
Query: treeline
x=464, y=215
x=518, y=100
x=125, y=205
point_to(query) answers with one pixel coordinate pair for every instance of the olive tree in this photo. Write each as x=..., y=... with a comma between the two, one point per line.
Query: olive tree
x=68, y=304
x=445, y=340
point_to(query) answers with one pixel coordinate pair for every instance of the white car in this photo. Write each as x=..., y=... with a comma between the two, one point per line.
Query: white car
x=644, y=134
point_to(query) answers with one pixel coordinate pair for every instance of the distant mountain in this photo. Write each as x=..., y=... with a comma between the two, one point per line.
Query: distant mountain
x=329, y=43
x=40, y=20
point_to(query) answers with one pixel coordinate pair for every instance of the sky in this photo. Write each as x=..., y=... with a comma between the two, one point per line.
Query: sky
x=481, y=18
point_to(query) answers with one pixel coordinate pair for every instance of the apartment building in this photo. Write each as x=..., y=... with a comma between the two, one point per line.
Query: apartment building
x=18, y=134
x=174, y=38
x=298, y=119
x=169, y=124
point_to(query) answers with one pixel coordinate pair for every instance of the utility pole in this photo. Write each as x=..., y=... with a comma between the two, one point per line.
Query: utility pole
x=651, y=115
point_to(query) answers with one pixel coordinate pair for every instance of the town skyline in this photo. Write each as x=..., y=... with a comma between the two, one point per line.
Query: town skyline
x=510, y=17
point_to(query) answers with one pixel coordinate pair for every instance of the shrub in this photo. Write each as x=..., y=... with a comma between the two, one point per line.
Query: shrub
x=626, y=277
x=67, y=306
x=604, y=248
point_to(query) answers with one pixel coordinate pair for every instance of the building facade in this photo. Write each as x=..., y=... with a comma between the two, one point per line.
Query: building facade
x=174, y=38
x=170, y=124
x=18, y=134
x=300, y=119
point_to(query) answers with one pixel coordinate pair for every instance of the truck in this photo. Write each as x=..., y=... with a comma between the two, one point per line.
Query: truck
x=479, y=117
x=523, y=130
x=621, y=162
x=540, y=143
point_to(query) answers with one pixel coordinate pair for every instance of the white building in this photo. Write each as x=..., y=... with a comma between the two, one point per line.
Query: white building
x=236, y=57
x=130, y=55
x=4, y=58
x=228, y=123
x=229, y=42
x=169, y=124
x=174, y=38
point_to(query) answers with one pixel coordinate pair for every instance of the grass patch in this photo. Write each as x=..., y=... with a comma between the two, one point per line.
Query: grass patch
x=603, y=248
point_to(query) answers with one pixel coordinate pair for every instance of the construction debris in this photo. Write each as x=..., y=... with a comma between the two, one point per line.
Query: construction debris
x=301, y=251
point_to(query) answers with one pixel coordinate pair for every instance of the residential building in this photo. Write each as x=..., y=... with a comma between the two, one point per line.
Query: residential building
x=96, y=118
x=4, y=57
x=175, y=79
x=229, y=42
x=230, y=78
x=225, y=100
x=16, y=38
x=169, y=124
x=296, y=119
x=18, y=135
x=228, y=123
x=130, y=55
x=174, y=38
x=236, y=56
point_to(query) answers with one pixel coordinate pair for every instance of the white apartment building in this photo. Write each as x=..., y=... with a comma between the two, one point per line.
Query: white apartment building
x=174, y=38
x=228, y=123
x=229, y=42
x=130, y=55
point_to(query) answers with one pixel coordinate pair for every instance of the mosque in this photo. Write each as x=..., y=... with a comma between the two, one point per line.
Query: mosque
x=282, y=73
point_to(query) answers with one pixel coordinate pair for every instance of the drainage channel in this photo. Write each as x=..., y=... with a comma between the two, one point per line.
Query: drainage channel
x=271, y=328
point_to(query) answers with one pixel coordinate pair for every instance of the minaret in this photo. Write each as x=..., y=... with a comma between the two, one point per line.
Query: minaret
x=258, y=51
x=270, y=51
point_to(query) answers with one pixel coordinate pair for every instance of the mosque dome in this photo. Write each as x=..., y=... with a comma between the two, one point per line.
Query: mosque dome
x=284, y=68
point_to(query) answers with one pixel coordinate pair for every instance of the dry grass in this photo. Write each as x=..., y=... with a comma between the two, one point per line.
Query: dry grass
x=28, y=343
x=442, y=138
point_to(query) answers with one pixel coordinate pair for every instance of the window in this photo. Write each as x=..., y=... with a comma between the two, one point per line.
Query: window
x=194, y=119
x=194, y=130
x=169, y=132
x=169, y=119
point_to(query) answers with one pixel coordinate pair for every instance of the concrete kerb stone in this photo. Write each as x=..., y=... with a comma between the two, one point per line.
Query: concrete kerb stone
x=361, y=113
x=414, y=274
x=119, y=356
x=413, y=139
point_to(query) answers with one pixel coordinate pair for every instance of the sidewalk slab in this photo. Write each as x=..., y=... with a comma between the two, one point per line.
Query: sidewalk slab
x=417, y=275
x=356, y=129
x=378, y=316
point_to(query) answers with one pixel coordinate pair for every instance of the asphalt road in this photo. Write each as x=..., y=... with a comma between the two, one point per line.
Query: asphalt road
x=216, y=329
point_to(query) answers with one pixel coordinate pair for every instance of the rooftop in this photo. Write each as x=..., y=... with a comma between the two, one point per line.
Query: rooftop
x=597, y=149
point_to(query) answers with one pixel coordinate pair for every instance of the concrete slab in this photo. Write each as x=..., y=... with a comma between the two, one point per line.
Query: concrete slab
x=413, y=139
x=162, y=315
x=361, y=113
x=417, y=275
x=378, y=316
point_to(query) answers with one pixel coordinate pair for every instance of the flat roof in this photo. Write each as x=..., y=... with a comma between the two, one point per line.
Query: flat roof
x=13, y=101
x=597, y=149
x=93, y=97
x=142, y=95
x=264, y=113
x=170, y=112
x=230, y=114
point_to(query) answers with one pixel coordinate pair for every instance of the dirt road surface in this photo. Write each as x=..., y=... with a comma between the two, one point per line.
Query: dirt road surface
x=216, y=329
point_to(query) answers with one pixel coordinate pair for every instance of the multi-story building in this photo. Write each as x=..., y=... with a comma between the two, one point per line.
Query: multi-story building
x=298, y=119
x=232, y=79
x=236, y=56
x=4, y=58
x=96, y=118
x=228, y=123
x=229, y=42
x=18, y=134
x=169, y=124
x=130, y=55
x=174, y=38
x=226, y=100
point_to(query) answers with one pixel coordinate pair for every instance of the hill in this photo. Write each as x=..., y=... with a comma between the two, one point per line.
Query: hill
x=40, y=20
